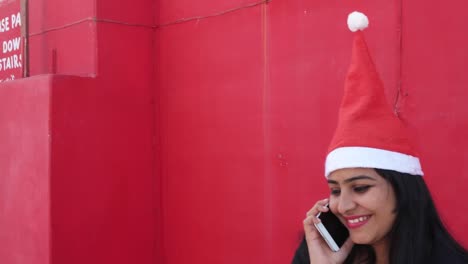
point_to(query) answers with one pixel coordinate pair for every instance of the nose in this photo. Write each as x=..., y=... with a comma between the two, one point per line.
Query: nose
x=345, y=203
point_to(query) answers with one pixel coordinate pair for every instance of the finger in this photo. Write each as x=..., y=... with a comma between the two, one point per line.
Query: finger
x=320, y=206
x=309, y=221
x=309, y=228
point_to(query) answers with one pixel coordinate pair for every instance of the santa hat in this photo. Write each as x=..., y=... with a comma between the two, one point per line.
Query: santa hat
x=369, y=134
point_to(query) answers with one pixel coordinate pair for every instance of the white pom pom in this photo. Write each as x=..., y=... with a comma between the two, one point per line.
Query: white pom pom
x=357, y=21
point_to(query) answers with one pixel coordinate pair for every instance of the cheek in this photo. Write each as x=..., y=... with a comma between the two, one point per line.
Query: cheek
x=386, y=210
x=386, y=224
x=390, y=203
x=333, y=205
x=390, y=211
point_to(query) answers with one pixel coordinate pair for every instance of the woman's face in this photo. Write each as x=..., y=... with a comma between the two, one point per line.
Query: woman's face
x=363, y=201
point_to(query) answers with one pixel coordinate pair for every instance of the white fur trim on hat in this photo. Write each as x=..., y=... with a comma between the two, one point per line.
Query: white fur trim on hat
x=363, y=157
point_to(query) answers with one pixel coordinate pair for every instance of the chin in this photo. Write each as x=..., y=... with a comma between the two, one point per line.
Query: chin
x=361, y=239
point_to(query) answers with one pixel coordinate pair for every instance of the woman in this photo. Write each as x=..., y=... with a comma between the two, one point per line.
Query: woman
x=375, y=179
x=402, y=225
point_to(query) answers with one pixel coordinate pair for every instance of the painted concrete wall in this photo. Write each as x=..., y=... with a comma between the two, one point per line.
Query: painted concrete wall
x=78, y=138
x=173, y=131
x=248, y=97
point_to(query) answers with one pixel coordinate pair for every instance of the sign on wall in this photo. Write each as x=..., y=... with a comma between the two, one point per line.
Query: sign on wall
x=11, y=61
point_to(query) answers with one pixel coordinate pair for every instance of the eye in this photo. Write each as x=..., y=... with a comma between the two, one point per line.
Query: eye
x=361, y=189
x=335, y=191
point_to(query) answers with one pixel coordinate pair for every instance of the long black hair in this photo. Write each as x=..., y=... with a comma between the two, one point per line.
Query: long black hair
x=417, y=236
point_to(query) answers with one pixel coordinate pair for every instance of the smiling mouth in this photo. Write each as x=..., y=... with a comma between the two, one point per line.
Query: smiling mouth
x=357, y=222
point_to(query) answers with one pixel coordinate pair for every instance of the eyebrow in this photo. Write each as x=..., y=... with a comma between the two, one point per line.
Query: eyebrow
x=355, y=178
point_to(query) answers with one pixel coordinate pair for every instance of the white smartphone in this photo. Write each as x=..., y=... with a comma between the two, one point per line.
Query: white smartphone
x=332, y=230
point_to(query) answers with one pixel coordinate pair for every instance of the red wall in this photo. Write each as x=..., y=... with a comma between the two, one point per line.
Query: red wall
x=171, y=132
x=103, y=183
x=212, y=156
x=63, y=37
x=82, y=190
x=24, y=171
x=248, y=103
x=434, y=81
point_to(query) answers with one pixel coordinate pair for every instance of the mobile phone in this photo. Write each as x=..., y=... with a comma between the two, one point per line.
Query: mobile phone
x=332, y=230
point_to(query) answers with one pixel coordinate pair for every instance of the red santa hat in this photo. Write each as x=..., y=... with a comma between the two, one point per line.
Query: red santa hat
x=369, y=134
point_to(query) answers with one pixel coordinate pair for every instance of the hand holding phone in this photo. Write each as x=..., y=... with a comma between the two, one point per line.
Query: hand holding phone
x=332, y=230
x=320, y=246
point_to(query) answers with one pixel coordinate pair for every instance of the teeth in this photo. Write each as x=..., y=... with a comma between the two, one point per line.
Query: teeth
x=357, y=220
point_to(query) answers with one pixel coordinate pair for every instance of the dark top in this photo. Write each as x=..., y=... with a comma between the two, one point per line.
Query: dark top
x=444, y=254
x=441, y=254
